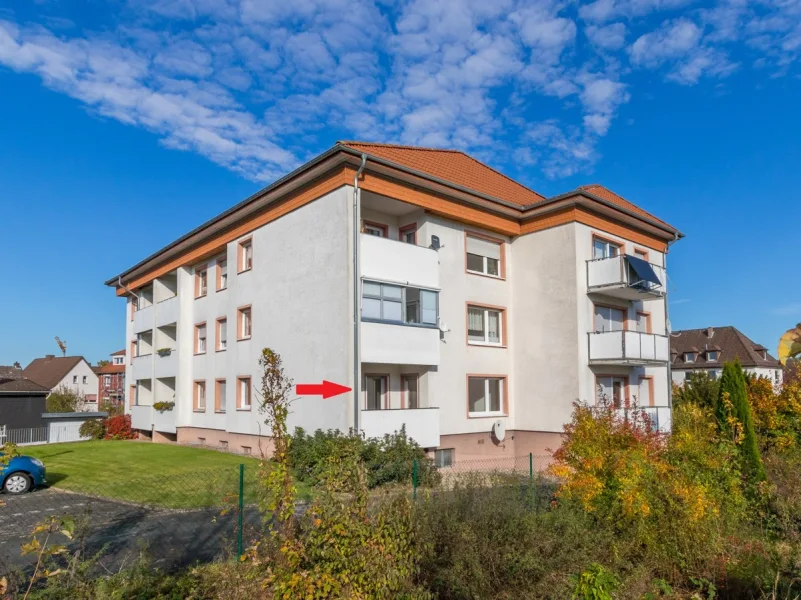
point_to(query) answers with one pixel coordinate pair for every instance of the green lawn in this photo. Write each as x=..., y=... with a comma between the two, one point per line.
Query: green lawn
x=147, y=473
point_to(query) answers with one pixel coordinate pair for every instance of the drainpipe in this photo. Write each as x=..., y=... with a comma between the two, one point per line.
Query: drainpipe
x=127, y=289
x=356, y=292
x=668, y=331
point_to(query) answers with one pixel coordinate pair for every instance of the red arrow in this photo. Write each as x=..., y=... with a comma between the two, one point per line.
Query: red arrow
x=326, y=389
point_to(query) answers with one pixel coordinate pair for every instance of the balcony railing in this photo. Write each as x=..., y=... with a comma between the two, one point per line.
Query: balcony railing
x=627, y=348
x=626, y=277
x=659, y=417
x=399, y=344
x=422, y=424
x=392, y=261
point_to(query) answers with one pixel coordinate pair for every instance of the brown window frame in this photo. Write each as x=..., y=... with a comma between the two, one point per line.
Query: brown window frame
x=382, y=226
x=410, y=228
x=239, y=380
x=219, y=407
x=204, y=270
x=197, y=385
x=219, y=321
x=197, y=338
x=219, y=264
x=240, y=255
x=404, y=398
x=240, y=313
x=386, y=400
x=501, y=263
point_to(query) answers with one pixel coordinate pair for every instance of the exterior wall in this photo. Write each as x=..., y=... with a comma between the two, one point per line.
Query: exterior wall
x=775, y=375
x=22, y=411
x=116, y=382
x=235, y=442
x=88, y=389
x=517, y=444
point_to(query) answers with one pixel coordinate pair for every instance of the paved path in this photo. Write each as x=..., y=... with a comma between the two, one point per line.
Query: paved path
x=172, y=537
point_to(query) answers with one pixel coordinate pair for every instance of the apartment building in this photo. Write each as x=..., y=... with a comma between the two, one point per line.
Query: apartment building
x=454, y=301
x=709, y=348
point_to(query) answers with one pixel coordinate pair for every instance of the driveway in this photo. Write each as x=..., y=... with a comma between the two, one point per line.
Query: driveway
x=171, y=537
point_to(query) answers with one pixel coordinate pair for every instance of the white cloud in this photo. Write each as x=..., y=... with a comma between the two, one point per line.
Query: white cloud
x=609, y=37
x=605, y=10
x=673, y=40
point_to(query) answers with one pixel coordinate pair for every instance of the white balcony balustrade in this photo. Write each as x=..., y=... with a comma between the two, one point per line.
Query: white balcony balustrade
x=625, y=277
x=422, y=424
x=627, y=348
x=393, y=261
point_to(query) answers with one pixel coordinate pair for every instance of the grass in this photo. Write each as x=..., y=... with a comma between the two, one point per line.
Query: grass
x=146, y=473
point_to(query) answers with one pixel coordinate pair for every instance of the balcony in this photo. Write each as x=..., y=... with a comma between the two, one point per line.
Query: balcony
x=660, y=417
x=143, y=319
x=625, y=277
x=388, y=260
x=142, y=367
x=628, y=348
x=422, y=424
x=142, y=417
x=166, y=311
x=166, y=364
x=164, y=422
x=399, y=344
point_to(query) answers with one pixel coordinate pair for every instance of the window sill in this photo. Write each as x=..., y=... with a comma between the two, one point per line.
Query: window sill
x=199, y=410
x=221, y=289
x=201, y=296
x=494, y=415
x=200, y=353
x=480, y=274
x=486, y=345
x=244, y=339
x=400, y=323
x=244, y=270
x=221, y=349
x=219, y=412
x=244, y=409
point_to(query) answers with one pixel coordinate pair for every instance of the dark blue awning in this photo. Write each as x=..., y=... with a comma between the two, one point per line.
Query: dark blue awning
x=644, y=274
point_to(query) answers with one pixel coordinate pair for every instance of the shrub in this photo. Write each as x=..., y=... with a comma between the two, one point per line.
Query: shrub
x=63, y=400
x=112, y=409
x=119, y=428
x=386, y=460
x=93, y=429
x=698, y=388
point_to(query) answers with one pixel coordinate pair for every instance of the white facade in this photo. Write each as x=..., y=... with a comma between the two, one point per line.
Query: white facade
x=83, y=381
x=541, y=354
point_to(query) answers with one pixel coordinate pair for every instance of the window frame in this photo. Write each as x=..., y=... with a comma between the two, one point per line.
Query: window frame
x=201, y=273
x=221, y=262
x=219, y=407
x=239, y=380
x=621, y=248
x=686, y=354
x=199, y=385
x=647, y=316
x=404, y=378
x=501, y=262
x=626, y=388
x=623, y=309
x=217, y=337
x=133, y=398
x=197, y=338
x=241, y=255
x=715, y=352
x=375, y=225
x=650, y=381
x=240, y=322
x=504, y=400
x=405, y=230
x=385, y=396
x=452, y=457
x=501, y=310
x=403, y=304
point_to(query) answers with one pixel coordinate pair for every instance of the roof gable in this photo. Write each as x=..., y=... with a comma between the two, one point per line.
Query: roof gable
x=606, y=194
x=50, y=370
x=729, y=342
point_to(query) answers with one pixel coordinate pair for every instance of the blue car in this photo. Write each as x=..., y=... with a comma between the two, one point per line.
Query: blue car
x=22, y=474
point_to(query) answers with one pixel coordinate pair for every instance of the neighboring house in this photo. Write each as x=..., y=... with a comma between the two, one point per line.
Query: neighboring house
x=111, y=379
x=72, y=372
x=22, y=402
x=476, y=300
x=11, y=372
x=707, y=350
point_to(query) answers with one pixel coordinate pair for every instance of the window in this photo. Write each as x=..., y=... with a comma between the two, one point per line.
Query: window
x=376, y=229
x=245, y=323
x=74, y=379
x=118, y=360
x=443, y=457
x=642, y=254
x=220, y=388
x=608, y=318
x=243, y=393
x=84, y=379
x=201, y=282
x=375, y=391
x=384, y=302
x=484, y=396
x=613, y=388
x=711, y=355
x=484, y=325
x=644, y=322
x=245, y=255
x=133, y=398
x=134, y=350
x=222, y=334
x=408, y=233
x=107, y=380
x=689, y=357
x=200, y=338
x=645, y=396
x=602, y=248
x=222, y=274
x=200, y=395
x=484, y=256
x=409, y=391
x=777, y=376
x=713, y=375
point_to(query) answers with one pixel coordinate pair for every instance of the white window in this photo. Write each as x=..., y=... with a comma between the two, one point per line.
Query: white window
x=245, y=255
x=409, y=388
x=222, y=334
x=642, y=322
x=222, y=278
x=375, y=391
x=712, y=355
x=713, y=374
x=612, y=389
x=443, y=458
x=485, y=396
x=118, y=360
x=604, y=249
x=383, y=302
x=609, y=319
x=245, y=323
x=201, y=339
x=375, y=230
x=483, y=256
x=107, y=380
x=243, y=393
x=200, y=395
x=484, y=325
x=777, y=375
x=84, y=379
x=201, y=283
x=689, y=357
x=74, y=379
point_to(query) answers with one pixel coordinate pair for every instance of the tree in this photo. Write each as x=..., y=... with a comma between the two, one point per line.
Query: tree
x=734, y=417
x=699, y=388
x=103, y=363
x=63, y=399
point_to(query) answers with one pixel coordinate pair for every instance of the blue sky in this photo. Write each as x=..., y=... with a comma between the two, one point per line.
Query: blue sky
x=127, y=123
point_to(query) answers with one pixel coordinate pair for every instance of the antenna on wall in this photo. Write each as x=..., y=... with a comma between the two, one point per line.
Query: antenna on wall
x=62, y=345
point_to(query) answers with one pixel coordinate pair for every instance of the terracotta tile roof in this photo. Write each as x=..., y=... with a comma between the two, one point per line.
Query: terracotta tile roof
x=11, y=372
x=48, y=371
x=21, y=385
x=118, y=352
x=109, y=369
x=729, y=341
x=454, y=166
x=618, y=200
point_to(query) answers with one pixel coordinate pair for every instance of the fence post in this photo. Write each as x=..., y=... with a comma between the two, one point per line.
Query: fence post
x=531, y=480
x=414, y=480
x=239, y=540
